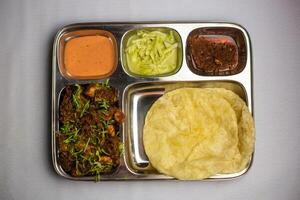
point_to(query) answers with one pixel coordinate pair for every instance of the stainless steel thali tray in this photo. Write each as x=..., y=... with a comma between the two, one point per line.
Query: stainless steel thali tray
x=136, y=94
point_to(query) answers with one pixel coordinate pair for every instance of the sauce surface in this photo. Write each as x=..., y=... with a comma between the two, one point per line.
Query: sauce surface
x=213, y=55
x=89, y=56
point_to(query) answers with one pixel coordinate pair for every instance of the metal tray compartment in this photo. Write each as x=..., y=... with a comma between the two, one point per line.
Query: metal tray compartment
x=162, y=29
x=137, y=100
x=136, y=94
x=235, y=35
x=79, y=33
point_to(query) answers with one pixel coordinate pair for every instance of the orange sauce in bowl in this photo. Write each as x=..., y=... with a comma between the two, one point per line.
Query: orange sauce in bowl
x=89, y=56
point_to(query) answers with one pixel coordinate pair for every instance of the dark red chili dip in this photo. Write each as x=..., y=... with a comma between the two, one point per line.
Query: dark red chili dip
x=212, y=54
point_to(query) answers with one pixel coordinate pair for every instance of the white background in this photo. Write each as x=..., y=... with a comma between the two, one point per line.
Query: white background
x=27, y=29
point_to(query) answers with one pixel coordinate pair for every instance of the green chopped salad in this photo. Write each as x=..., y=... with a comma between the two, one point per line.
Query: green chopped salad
x=152, y=52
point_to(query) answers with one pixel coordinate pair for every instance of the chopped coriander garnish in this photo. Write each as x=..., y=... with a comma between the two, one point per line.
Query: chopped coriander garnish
x=86, y=145
x=76, y=96
x=85, y=108
x=104, y=104
x=106, y=83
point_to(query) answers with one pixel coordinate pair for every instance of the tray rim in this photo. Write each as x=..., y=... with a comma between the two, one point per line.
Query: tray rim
x=97, y=25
